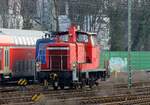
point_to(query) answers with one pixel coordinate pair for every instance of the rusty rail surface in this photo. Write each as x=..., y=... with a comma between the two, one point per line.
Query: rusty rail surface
x=116, y=100
x=31, y=87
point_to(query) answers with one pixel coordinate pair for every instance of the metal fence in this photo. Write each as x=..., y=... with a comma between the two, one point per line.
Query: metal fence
x=140, y=60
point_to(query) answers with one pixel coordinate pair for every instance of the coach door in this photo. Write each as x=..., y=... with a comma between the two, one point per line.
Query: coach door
x=6, y=60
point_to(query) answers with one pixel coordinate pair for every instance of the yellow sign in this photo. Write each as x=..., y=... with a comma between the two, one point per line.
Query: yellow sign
x=22, y=82
x=36, y=97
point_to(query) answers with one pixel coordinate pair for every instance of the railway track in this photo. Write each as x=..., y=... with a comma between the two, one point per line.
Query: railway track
x=15, y=99
x=27, y=98
x=124, y=85
x=17, y=88
x=21, y=103
x=117, y=100
x=31, y=87
x=113, y=100
x=24, y=98
x=40, y=87
x=144, y=101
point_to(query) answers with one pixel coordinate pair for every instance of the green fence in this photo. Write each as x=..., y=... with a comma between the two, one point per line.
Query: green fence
x=139, y=60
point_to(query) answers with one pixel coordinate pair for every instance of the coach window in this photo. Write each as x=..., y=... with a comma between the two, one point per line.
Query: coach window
x=6, y=58
x=0, y=59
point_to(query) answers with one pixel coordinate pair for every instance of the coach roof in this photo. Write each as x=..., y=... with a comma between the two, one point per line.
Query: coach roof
x=19, y=37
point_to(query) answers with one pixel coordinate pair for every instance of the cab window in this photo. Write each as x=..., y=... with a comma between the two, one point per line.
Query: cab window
x=64, y=38
x=82, y=38
x=0, y=59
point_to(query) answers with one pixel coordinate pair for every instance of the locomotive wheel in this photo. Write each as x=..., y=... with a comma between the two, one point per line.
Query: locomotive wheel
x=55, y=85
x=91, y=83
x=62, y=86
x=96, y=83
x=71, y=86
x=81, y=86
x=103, y=79
x=83, y=83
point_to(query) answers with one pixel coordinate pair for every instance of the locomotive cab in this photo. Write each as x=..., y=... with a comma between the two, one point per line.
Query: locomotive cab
x=72, y=57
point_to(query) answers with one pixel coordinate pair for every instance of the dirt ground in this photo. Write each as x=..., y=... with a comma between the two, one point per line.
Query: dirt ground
x=122, y=77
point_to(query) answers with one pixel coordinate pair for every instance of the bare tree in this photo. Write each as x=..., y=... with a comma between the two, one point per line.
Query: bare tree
x=28, y=11
x=56, y=14
x=4, y=12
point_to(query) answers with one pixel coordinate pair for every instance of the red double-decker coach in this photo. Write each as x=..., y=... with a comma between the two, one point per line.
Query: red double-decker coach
x=17, y=53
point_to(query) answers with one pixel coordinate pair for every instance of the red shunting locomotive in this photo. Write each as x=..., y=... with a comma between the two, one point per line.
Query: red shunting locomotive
x=70, y=59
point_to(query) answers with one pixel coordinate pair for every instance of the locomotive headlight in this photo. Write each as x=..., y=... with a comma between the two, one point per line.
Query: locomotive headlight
x=74, y=65
x=38, y=66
